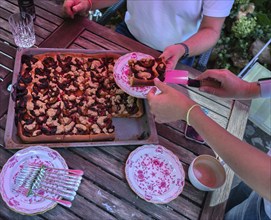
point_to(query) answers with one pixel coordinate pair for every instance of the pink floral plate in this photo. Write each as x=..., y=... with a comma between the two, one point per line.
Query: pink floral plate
x=18, y=202
x=155, y=174
x=121, y=75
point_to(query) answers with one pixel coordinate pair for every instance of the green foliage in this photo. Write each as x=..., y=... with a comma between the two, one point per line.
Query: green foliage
x=241, y=2
x=243, y=27
x=249, y=20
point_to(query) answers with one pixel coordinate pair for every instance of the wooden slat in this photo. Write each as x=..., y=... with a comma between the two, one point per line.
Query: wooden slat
x=2, y=134
x=117, y=207
x=65, y=35
x=7, y=213
x=52, y=18
x=6, y=36
x=120, y=40
x=103, y=43
x=83, y=43
x=50, y=6
x=70, y=30
x=3, y=72
x=76, y=46
x=4, y=97
x=4, y=156
x=9, y=6
x=86, y=209
x=214, y=213
x=6, y=61
x=59, y=213
x=3, y=120
x=100, y=159
x=177, y=138
x=4, y=13
x=7, y=49
x=118, y=152
x=47, y=25
x=40, y=33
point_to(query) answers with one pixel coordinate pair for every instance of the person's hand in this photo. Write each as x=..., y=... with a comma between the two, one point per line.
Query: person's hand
x=168, y=106
x=231, y=85
x=172, y=54
x=72, y=7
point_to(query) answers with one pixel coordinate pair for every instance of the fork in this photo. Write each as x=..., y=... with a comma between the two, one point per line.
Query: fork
x=27, y=191
x=33, y=179
x=68, y=181
x=76, y=172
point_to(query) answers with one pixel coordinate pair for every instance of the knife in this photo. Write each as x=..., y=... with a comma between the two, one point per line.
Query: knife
x=181, y=77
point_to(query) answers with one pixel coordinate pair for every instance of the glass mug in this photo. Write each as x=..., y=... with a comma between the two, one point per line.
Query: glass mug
x=22, y=28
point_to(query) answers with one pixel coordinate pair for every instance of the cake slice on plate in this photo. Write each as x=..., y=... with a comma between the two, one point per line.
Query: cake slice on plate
x=143, y=71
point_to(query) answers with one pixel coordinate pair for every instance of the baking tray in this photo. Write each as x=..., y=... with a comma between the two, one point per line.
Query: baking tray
x=129, y=131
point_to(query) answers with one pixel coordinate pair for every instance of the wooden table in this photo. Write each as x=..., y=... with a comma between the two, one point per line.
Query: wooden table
x=104, y=192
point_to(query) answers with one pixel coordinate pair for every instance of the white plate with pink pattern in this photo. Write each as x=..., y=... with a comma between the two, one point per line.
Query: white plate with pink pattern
x=155, y=174
x=122, y=71
x=17, y=202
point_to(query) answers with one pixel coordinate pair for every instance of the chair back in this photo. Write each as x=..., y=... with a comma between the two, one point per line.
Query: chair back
x=246, y=69
x=260, y=109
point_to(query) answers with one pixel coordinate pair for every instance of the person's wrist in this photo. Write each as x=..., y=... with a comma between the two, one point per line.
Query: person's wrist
x=185, y=50
x=255, y=90
x=190, y=111
x=250, y=90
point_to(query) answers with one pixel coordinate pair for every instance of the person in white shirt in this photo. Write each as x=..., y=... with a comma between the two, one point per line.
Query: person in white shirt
x=180, y=29
x=249, y=163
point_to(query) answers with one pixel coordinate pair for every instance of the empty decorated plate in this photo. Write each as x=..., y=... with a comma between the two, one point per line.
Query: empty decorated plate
x=122, y=71
x=155, y=174
x=18, y=202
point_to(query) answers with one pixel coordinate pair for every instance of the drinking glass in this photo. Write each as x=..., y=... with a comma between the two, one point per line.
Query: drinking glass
x=22, y=28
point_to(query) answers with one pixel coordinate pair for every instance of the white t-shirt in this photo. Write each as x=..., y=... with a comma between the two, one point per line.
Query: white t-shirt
x=160, y=23
x=265, y=88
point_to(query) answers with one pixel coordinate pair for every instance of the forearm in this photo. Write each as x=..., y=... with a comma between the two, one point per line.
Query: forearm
x=199, y=43
x=252, y=165
x=207, y=35
x=98, y=4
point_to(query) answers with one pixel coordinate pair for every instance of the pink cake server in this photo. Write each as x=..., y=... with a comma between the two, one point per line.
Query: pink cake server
x=181, y=77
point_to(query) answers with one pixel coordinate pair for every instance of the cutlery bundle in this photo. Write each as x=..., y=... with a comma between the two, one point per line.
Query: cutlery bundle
x=41, y=180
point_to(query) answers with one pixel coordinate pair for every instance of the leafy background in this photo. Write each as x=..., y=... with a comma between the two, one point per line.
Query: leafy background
x=246, y=30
